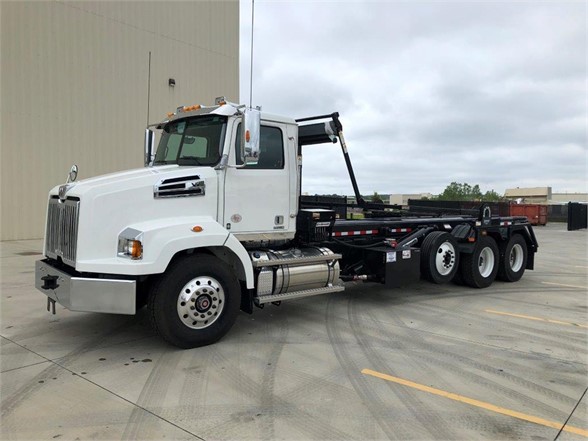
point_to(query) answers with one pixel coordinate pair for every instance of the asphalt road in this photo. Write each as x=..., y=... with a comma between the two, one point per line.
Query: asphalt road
x=428, y=362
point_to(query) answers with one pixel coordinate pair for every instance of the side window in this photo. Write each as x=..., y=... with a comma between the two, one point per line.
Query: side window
x=271, y=149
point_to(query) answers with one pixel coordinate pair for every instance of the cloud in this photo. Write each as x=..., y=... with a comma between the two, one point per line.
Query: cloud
x=429, y=93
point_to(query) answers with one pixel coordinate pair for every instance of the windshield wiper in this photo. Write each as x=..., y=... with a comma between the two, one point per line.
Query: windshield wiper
x=189, y=160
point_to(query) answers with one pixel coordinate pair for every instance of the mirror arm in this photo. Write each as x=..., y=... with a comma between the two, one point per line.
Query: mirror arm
x=149, y=144
x=224, y=162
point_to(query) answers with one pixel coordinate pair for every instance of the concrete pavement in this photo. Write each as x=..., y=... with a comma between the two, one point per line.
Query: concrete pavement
x=295, y=371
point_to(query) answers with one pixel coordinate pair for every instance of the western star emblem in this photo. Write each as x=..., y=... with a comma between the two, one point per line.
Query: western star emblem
x=62, y=191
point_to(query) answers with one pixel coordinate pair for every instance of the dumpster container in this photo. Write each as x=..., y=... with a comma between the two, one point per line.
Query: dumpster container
x=537, y=214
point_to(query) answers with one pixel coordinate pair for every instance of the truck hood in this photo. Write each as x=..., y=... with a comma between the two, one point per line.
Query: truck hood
x=111, y=203
x=123, y=179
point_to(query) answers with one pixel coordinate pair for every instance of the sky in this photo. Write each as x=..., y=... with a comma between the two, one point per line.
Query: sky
x=487, y=93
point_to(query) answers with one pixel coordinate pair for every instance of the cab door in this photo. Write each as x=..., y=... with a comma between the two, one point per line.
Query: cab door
x=257, y=196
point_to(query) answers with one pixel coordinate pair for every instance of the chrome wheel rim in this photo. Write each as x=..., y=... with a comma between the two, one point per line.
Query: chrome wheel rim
x=516, y=258
x=445, y=258
x=486, y=262
x=201, y=302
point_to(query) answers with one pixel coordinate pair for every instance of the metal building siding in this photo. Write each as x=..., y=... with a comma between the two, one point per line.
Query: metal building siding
x=73, y=86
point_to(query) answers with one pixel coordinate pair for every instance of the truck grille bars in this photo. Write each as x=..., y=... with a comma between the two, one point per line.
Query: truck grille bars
x=61, y=236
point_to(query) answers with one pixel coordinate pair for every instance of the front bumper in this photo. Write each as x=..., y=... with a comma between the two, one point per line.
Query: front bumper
x=83, y=293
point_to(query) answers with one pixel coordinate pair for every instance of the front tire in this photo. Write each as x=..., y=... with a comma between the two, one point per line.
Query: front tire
x=195, y=302
x=479, y=269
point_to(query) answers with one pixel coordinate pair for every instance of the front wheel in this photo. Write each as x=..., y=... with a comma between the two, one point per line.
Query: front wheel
x=479, y=269
x=195, y=302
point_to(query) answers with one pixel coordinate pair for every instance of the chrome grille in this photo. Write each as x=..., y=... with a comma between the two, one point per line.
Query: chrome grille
x=62, y=230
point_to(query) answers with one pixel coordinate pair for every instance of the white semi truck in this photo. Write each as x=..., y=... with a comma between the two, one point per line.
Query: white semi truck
x=214, y=223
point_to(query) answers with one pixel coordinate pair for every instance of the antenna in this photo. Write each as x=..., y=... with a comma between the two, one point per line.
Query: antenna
x=149, y=87
x=251, y=73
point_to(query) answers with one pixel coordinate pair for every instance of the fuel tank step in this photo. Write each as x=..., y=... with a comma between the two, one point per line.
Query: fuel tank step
x=298, y=294
x=296, y=260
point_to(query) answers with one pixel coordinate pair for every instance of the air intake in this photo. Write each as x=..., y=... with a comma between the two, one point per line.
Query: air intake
x=179, y=187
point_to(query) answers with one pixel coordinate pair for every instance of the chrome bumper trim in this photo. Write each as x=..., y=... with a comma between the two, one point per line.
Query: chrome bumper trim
x=85, y=294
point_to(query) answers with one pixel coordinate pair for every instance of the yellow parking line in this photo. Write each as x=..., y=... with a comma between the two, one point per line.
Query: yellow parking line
x=528, y=317
x=477, y=403
x=565, y=286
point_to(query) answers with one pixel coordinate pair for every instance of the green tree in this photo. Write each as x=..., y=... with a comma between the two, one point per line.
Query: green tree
x=457, y=191
x=492, y=196
x=376, y=199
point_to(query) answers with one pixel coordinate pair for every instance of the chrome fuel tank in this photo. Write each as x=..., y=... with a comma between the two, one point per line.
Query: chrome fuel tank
x=295, y=269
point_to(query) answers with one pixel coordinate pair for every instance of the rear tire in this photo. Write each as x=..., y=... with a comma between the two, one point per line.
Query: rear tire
x=439, y=257
x=513, y=259
x=195, y=302
x=458, y=279
x=479, y=269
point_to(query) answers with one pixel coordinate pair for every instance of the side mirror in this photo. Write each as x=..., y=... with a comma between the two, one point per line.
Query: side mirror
x=149, y=145
x=250, y=136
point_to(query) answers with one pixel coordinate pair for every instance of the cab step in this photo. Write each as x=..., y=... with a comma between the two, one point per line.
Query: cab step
x=297, y=294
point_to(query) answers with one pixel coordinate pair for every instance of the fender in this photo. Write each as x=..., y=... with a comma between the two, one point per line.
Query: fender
x=162, y=239
x=235, y=246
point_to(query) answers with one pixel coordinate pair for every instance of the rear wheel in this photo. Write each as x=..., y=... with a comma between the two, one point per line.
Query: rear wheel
x=458, y=279
x=195, y=302
x=439, y=257
x=479, y=269
x=513, y=259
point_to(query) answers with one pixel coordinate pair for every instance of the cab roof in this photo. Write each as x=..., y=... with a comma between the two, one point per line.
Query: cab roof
x=222, y=108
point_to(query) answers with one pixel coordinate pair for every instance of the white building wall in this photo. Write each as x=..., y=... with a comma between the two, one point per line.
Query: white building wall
x=564, y=198
x=74, y=88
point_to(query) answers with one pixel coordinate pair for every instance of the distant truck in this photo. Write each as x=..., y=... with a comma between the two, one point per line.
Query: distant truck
x=213, y=224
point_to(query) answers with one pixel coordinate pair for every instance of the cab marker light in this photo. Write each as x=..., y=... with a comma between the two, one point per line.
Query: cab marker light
x=197, y=229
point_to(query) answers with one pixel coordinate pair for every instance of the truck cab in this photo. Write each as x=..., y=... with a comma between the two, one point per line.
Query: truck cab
x=256, y=194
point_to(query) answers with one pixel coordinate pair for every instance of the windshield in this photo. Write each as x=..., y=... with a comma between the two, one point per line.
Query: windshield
x=196, y=141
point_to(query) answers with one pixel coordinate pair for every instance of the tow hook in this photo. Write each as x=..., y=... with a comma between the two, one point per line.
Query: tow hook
x=50, y=282
x=50, y=305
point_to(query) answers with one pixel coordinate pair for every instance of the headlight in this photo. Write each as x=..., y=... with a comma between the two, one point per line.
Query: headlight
x=130, y=245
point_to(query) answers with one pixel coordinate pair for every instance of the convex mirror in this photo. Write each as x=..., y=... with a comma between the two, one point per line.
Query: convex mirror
x=250, y=136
